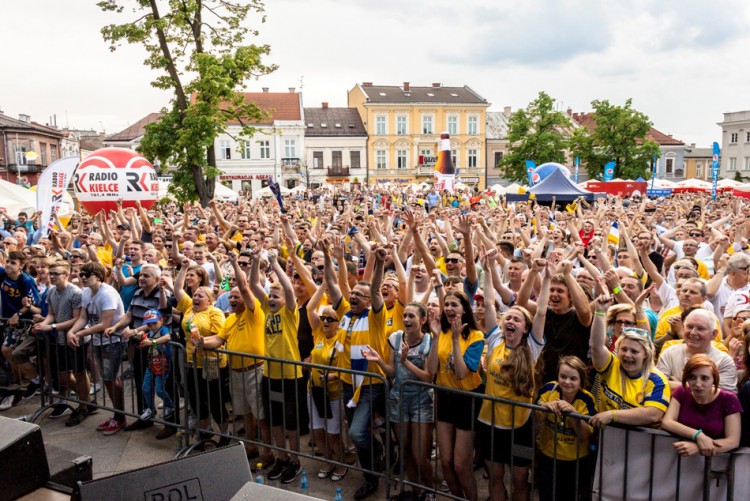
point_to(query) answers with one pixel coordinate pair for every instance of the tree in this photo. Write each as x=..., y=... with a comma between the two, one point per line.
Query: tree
x=536, y=133
x=617, y=133
x=199, y=48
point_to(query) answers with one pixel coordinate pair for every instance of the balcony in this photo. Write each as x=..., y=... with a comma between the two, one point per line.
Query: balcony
x=426, y=170
x=338, y=170
x=30, y=167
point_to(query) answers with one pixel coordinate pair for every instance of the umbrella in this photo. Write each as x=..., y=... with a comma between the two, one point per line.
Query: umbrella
x=15, y=199
x=266, y=192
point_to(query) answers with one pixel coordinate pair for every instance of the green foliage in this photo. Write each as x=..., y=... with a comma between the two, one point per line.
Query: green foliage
x=619, y=136
x=536, y=133
x=200, y=50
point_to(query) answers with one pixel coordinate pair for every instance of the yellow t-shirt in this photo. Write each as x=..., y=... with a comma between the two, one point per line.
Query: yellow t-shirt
x=619, y=391
x=440, y=264
x=567, y=438
x=662, y=327
x=104, y=253
x=244, y=333
x=394, y=318
x=356, y=333
x=321, y=354
x=281, y=341
x=471, y=349
x=210, y=322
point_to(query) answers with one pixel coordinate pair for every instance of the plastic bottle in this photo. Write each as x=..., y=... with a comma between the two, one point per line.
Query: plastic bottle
x=339, y=495
x=304, y=487
x=259, y=478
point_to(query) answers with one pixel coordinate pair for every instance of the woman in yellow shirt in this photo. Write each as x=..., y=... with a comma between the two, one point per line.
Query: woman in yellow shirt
x=460, y=345
x=207, y=372
x=513, y=348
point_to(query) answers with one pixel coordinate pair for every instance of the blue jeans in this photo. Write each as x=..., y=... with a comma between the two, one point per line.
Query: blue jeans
x=369, y=449
x=149, y=382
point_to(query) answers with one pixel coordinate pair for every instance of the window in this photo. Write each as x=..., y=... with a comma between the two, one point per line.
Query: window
x=733, y=137
x=472, y=160
x=732, y=164
x=53, y=152
x=265, y=149
x=401, y=159
x=699, y=170
x=401, y=125
x=380, y=128
x=747, y=137
x=317, y=159
x=426, y=152
x=498, y=158
x=427, y=124
x=452, y=125
x=473, y=125
x=454, y=157
x=336, y=161
x=289, y=148
x=381, y=159
x=43, y=148
x=746, y=164
x=354, y=157
x=20, y=155
x=225, y=150
x=245, y=150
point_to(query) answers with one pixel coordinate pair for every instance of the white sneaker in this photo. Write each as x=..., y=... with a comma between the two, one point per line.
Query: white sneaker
x=94, y=388
x=167, y=412
x=6, y=403
x=147, y=414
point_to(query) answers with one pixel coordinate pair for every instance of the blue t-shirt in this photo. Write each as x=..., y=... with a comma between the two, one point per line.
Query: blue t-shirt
x=128, y=291
x=13, y=291
x=161, y=349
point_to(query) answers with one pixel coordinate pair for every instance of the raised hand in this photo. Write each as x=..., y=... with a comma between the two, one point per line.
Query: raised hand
x=538, y=265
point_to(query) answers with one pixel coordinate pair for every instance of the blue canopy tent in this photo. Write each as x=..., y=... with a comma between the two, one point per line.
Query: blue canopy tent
x=556, y=185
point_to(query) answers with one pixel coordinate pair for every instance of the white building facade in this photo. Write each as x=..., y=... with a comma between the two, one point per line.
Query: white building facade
x=735, y=144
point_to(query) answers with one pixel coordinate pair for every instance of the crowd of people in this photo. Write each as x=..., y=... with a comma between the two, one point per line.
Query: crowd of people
x=457, y=304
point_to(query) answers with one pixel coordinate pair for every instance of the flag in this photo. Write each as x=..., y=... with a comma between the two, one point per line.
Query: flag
x=614, y=234
x=530, y=166
x=577, y=164
x=50, y=189
x=572, y=207
x=276, y=190
x=609, y=172
x=715, y=171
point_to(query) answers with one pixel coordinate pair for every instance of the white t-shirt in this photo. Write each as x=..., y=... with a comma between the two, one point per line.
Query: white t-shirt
x=672, y=362
x=669, y=298
x=105, y=299
x=735, y=300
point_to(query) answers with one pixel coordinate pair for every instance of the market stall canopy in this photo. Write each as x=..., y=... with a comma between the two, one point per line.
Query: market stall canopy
x=692, y=186
x=15, y=199
x=742, y=191
x=225, y=193
x=728, y=184
x=266, y=192
x=557, y=185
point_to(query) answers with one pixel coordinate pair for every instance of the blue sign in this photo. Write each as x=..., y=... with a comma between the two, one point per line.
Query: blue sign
x=609, y=172
x=653, y=171
x=658, y=192
x=715, y=171
x=577, y=164
x=530, y=166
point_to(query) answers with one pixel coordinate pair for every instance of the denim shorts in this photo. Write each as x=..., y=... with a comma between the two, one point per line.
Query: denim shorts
x=109, y=358
x=418, y=405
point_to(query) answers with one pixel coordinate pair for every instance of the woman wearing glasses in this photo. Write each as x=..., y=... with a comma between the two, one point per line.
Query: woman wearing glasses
x=631, y=390
x=619, y=317
x=325, y=399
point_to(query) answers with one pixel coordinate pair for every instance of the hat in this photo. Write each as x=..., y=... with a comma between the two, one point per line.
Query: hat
x=479, y=295
x=123, y=227
x=151, y=317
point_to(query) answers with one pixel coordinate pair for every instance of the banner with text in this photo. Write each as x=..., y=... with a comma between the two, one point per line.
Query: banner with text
x=50, y=189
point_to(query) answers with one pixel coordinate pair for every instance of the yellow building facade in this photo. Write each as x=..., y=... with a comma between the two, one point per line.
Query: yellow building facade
x=404, y=124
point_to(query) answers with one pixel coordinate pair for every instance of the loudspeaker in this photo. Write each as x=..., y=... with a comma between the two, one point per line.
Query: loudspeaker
x=23, y=460
x=67, y=468
x=214, y=475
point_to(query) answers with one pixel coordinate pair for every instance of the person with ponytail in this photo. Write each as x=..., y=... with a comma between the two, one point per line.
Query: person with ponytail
x=512, y=350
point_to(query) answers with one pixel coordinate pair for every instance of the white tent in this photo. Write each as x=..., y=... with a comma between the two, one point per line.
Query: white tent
x=222, y=192
x=15, y=199
x=266, y=192
x=728, y=183
x=662, y=183
x=460, y=186
x=300, y=188
x=513, y=189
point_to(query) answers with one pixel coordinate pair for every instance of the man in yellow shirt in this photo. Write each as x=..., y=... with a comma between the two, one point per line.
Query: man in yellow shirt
x=691, y=292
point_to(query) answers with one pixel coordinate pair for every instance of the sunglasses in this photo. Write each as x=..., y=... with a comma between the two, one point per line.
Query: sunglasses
x=83, y=274
x=328, y=320
x=168, y=246
x=55, y=273
x=452, y=260
x=637, y=332
x=626, y=323
x=243, y=263
x=695, y=234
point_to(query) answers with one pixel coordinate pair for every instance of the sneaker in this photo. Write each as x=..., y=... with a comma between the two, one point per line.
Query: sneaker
x=147, y=414
x=94, y=388
x=278, y=469
x=366, y=489
x=103, y=426
x=59, y=410
x=6, y=403
x=31, y=390
x=444, y=486
x=167, y=414
x=77, y=417
x=114, y=427
x=290, y=472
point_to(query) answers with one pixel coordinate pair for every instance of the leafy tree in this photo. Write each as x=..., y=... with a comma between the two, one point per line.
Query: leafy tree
x=199, y=48
x=536, y=133
x=619, y=135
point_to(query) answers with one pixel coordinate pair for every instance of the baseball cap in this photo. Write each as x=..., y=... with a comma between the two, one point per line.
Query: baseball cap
x=151, y=317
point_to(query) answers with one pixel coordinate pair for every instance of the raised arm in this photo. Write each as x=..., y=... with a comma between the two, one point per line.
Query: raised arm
x=179, y=283
x=286, y=284
x=376, y=293
x=490, y=312
x=255, y=285
x=577, y=296
x=540, y=316
x=599, y=352
x=464, y=227
x=329, y=273
x=247, y=295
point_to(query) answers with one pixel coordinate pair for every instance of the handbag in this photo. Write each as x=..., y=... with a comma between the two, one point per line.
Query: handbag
x=211, y=368
x=158, y=364
x=320, y=393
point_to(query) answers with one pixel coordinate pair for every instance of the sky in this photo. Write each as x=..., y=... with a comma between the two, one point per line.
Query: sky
x=683, y=62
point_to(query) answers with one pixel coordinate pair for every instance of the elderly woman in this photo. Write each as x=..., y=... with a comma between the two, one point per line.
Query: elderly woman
x=632, y=391
x=208, y=373
x=707, y=416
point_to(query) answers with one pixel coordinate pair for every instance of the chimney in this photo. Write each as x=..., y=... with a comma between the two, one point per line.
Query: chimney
x=506, y=110
x=569, y=111
x=406, y=86
x=24, y=118
x=436, y=85
x=366, y=84
x=291, y=90
x=265, y=90
x=325, y=105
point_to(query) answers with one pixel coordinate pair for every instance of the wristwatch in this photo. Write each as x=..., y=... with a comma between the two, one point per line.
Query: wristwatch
x=54, y=327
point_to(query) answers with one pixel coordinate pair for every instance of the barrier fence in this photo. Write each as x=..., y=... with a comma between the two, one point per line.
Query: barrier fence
x=621, y=463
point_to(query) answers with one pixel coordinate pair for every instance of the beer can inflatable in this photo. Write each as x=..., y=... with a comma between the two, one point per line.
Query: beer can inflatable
x=112, y=174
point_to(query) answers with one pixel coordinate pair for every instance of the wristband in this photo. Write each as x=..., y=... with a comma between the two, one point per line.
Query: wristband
x=695, y=435
x=600, y=313
x=614, y=416
x=438, y=286
x=617, y=290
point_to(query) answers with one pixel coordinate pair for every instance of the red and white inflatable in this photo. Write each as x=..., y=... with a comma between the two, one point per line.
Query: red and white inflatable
x=112, y=174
